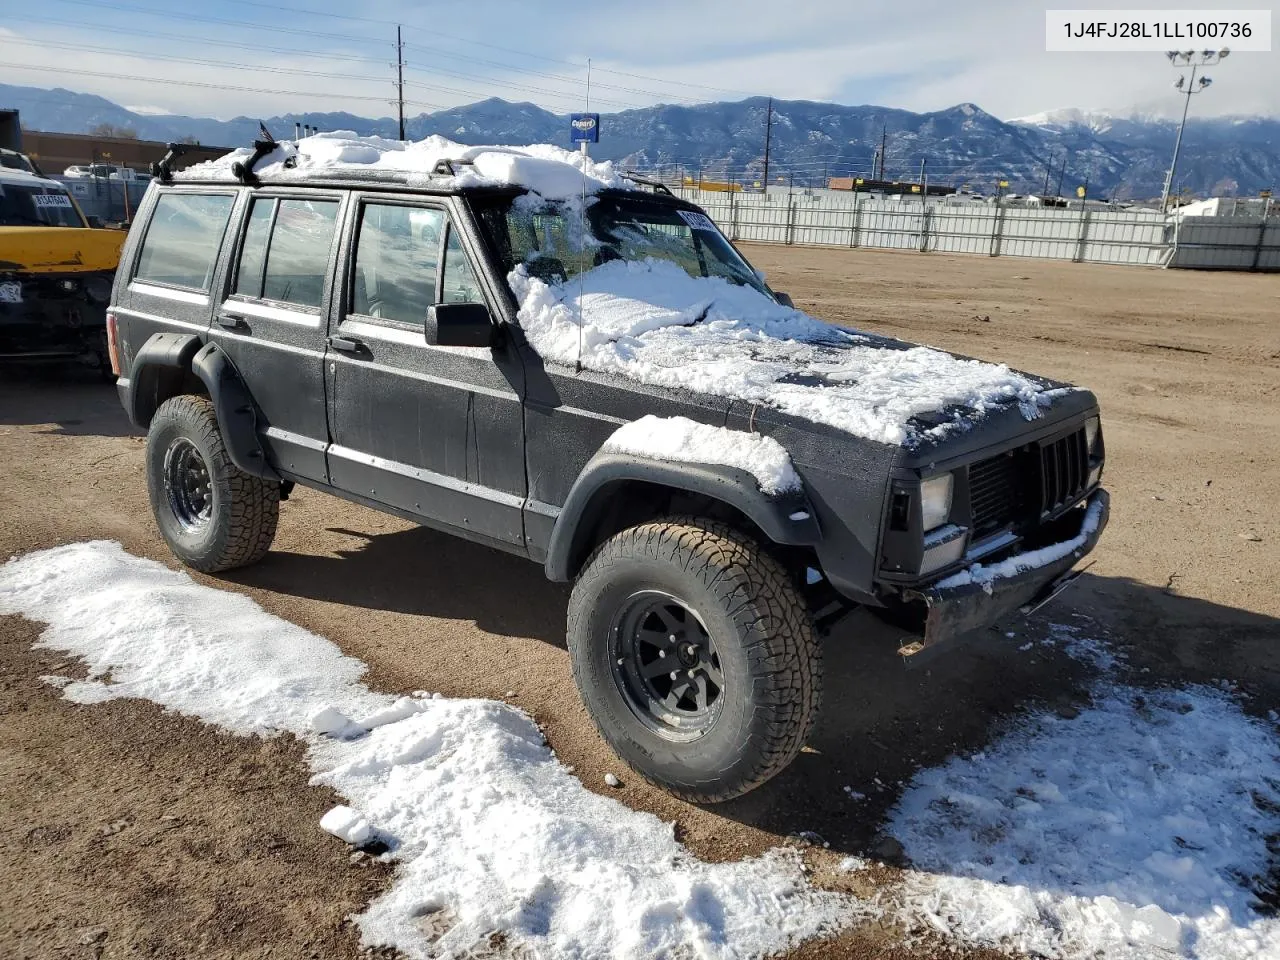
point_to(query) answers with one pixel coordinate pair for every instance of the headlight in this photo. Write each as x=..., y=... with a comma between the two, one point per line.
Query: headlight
x=935, y=501
x=1091, y=433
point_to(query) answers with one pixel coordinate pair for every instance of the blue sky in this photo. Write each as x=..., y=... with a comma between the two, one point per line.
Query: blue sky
x=325, y=55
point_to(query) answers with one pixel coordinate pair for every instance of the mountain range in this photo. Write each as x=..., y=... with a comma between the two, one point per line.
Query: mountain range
x=1123, y=157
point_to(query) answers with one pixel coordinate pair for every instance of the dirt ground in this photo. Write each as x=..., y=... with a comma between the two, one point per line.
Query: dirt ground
x=125, y=831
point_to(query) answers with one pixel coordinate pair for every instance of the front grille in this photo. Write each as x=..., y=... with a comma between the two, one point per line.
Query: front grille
x=1019, y=487
x=1064, y=471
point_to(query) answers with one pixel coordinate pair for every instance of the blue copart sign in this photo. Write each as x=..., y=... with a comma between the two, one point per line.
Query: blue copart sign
x=584, y=127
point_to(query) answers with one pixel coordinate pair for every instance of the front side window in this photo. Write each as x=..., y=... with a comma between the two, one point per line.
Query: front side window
x=37, y=206
x=285, y=255
x=397, y=262
x=460, y=283
x=183, y=237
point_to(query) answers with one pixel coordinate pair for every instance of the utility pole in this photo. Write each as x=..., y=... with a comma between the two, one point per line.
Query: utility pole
x=1179, y=60
x=1048, y=162
x=400, y=78
x=1062, y=172
x=768, y=137
x=884, y=146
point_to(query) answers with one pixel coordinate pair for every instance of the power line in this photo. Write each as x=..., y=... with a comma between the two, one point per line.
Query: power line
x=223, y=86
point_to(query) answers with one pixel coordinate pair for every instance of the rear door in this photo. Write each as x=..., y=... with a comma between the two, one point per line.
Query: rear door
x=433, y=431
x=270, y=321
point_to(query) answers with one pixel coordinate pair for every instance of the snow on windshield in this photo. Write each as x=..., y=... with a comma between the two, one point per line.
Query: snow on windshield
x=651, y=321
x=549, y=171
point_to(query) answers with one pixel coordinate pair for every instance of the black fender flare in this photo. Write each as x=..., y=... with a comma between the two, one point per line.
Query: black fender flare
x=787, y=518
x=233, y=405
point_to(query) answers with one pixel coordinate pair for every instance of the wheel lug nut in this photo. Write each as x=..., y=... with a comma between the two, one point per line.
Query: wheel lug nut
x=690, y=672
x=675, y=675
x=662, y=653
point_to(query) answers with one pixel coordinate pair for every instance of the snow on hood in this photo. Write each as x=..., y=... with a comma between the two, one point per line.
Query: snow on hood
x=550, y=171
x=653, y=322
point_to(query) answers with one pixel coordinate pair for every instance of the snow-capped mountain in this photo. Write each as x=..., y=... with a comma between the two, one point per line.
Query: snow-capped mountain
x=1122, y=155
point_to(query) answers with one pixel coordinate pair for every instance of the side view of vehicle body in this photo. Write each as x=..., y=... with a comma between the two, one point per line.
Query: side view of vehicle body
x=55, y=274
x=534, y=353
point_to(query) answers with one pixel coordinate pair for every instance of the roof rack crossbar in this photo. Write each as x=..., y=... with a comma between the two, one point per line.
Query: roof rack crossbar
x=658, y=185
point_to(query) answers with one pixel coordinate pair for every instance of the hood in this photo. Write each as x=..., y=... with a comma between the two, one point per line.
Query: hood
x=653, y=322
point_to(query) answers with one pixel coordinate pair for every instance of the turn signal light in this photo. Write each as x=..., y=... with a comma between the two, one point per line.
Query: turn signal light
x=113, y=343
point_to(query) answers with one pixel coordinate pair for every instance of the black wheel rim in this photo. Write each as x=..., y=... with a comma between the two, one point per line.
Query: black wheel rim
x=186, y=485
x=666, y=665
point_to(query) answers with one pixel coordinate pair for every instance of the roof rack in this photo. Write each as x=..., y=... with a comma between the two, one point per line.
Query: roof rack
x=162, y=169
x=446, y=167
x=657, y=185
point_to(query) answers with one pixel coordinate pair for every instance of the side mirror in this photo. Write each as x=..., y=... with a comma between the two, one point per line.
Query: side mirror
x=460, y=325
x=783, y=298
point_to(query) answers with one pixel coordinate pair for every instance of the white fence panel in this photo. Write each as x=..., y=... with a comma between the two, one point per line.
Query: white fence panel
x=1137, y=237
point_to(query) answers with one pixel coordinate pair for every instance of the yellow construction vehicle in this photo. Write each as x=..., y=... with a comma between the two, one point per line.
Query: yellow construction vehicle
x=56, y=270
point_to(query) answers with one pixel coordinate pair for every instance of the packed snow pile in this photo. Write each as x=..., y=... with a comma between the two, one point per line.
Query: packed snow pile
x=988, y=574
x=653, y=322
x=685, y=441
x=490, y=832
x=551, y=172
x=1133, y=831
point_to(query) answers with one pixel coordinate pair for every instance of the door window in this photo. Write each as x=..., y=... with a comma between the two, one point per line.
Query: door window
x=183, y=238
x=285, y=255
x=397, y=256
x=460, y=284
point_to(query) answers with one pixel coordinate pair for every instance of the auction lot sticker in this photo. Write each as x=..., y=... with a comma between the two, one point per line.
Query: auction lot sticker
x=1079, y=31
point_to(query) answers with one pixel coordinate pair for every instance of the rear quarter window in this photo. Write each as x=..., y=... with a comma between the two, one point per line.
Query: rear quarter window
x=182, y=239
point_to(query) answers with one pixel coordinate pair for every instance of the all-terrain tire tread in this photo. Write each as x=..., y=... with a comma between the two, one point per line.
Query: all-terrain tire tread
x=783, y=647
x=252, y=505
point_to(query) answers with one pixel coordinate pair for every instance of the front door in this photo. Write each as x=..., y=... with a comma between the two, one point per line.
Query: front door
x=435, y=432
x=271, y=322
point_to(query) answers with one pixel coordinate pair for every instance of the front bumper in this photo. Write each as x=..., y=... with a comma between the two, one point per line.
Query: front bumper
x=982, y=595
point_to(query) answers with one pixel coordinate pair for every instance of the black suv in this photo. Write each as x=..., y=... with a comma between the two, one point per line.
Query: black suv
x=358, y=332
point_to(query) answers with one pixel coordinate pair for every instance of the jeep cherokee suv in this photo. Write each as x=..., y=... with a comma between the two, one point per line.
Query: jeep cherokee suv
x=468, y=344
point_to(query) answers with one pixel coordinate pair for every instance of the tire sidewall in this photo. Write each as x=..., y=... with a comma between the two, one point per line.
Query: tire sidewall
x=717, y=760
x=177, y=420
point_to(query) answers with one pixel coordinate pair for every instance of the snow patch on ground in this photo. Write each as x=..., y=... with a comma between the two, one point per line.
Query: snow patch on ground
x=487, y=827
x=653, y=322
x=551, y=172
x=685, y=441
x=1132, y=831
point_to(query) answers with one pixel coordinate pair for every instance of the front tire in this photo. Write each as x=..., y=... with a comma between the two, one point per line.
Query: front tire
x=743, y=690
x=213, y=515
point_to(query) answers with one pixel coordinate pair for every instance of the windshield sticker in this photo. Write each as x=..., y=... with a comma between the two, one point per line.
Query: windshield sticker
x=52, y=199
x=697, y=221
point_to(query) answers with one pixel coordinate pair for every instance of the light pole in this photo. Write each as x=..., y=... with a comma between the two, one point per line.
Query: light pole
x=1187, y=85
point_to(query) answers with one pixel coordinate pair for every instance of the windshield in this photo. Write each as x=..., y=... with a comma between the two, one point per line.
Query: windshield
x=36, y=206
x=557, y=241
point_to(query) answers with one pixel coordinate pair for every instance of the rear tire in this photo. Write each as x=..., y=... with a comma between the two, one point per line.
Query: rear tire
x=700, y=596
x=213, y=515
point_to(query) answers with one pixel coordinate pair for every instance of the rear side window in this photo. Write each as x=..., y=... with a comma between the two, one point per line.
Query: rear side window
x=181, y=245
x=397, y=256
x=285, y=256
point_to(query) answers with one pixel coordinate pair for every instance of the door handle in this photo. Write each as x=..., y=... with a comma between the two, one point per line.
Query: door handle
x=347, y=344
x=232, y=322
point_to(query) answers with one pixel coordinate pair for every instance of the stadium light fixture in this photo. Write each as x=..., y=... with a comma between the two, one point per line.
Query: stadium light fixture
x=1186, y=85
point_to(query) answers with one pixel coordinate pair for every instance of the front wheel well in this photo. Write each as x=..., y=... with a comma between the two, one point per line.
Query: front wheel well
x=623, y=504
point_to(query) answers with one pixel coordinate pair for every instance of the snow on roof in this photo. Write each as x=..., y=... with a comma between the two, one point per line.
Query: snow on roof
x=653, y=322
x=550, y=171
